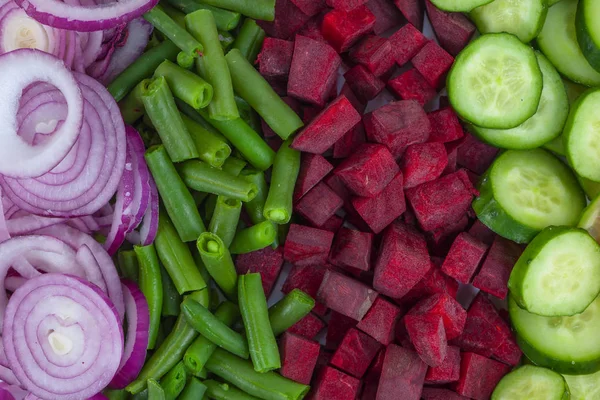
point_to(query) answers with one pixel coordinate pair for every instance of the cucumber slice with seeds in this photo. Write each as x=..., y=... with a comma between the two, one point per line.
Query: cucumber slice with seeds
x=459, y=5
x=590, y=219
x=588, y=30
x=522, y=18
x=531, y=383
x=582, y=135
x=584, y=387
x=495, y=82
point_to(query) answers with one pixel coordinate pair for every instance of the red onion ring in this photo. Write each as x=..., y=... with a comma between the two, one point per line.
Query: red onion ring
x=16, y=392
x=62, y=337
x=4, y=231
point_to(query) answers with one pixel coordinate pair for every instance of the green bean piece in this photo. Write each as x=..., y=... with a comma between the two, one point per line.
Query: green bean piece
x=160, y=335
x=171, y=297
x=226, y=20
x=185, y=61
x=209, y=206
x=250, y=40
x=248, y=114
x=246, y=140
x=255, y=207
x=119, y=394
x=132, y=106
x=253, y=307
x=241, y=373
x=174, y=381
x=162, y=111
x=194, y=390
x=234, y=165
x=176, y=33
x=204, y=178
x=214, y=330
x=257, y=9
x=212, y=149
x=218, y=262
x=128, y=265
x=212, y=66
x=173, y=13
x=155, y=391
x=224, y=391
x=176, y=197
x=151, y=286
x=177, y=258
x=199, y=263
x=226, y=39
x=199, y=197
x=289, y=310
x=254, y=238
x=278, y=207
x=141, y=69
x=186, y=85
x=253, y=88
x=225, y=219
x=192, y=114
x=171, y=351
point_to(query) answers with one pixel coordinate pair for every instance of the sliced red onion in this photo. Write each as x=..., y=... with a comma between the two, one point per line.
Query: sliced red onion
x=12, y=283
x=149, y=225
x=85, y=18
x=136, y=341
x=4, y=235
x=62, y=337
x=16, y=392
x=6, y=375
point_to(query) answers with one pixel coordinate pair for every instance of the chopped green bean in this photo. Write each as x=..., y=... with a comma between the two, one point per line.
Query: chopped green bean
x=225, y=218
x=155, y=391
x=176, y=33
x=128, y=265
x=254, y=238
x=218, y=262
x=199, y=263
x=289, y=310
x=226, y=39
x=226, y=20
x=171, y=297
x=212, y=149
x=234, y=165
x=248, y=114
x=224, y=391
x=173, y=13
x=250, y=40
x=194, y=390
x=186, y=85
x=151, y=286
x=185, y=61
x=192, y=114
x=278, y=207
x=257, y=9
x=132, y=106
x=120, y=394
x=174, y=381
x=255, y=207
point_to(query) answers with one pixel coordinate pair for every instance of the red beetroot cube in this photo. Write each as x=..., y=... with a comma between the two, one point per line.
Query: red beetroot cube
x=423, y=162
x=442, y=201
x=327, y=127
x=267, y=262
x=343, y=28
x=430, y=393
x=441, y=239
x=313, y=72
x=464, y=257
x=346, y=295
x=482, y=233
x=441, y=304
x=310, y=7
x=357, y=104
x=307, y=246
x=433, y=63
x=453, y=30
x=307, y=327
x=345, y=5
x=339, y=325
x=403, y=261
x=379, y=211
x=403, y=372
x=406, y=43
x=355, y=353
x=427, y=334
x=339, y=187
x=398, y=125
x=333, y=224
x=495, y=271
x=351, y=141
x=375, y=53
x=433, y=282
x=369, y=170
x=413, y=11
x=298, y=357
x=475, y=155
x=451, y=167
x=363, y=83
x=288, y=19
x=445, y=126
x=380, y=321
x=313, y=169
x=371, y=380
x=294, y=105
x=332, y=384
x=319, y=204
x=352, y=248
x=386, y=15
x=312, y=29
x=411, y=85
x=275, y=58
x=479, y=376
x=308, y=279
x=448, y=371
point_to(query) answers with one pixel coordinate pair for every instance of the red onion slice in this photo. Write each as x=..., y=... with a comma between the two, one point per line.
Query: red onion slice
x=16, y=392
x=4, y=235
x=149, y=225
x=6, y=375
x=62, y=337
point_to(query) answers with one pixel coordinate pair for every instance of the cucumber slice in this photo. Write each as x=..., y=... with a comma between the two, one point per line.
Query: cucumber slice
x=584, y=387
x=495, y=82
x=588, y=31
x=568, y=345
x=558, y=42
x=459, y=5
x=558, y=274
x=552, y=2
x=531, y=383
x=522, y=18
x=591, y=188
x=545, y=125
x=574, y=90
x=590, y=219
x=557, y=146
x=525, y=191
x=582, y=135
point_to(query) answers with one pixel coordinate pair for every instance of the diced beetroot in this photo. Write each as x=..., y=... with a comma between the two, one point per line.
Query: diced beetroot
x=408, y=217
x=363, y=83
x=413, y=11
x=275, y=58
x=451, y=167
x=332, y=384
x=345, y=5
x=448, y=371
x=453, y=30
x=379, y=211
x=319, y=204
x=313, y=71
x=403, y=261
x=403, y=372
x=307, y=246
x=441, y=304
x=371, y=380
x=346, y=295
x=380, y=321
x=398, y=125
x=431, y=393
x=411, y=85
x=479, y=376
x=427, y=334
x=442, y=201
x=355, y=353
x=339, y=187
x=308, y=279
x=386, y=15
x=495, y=271
x=433, y=63
x=344, y=28
x=369, y=170
x=406, y=43
x=333, y=224
x=357, y=104
x=327, y=127
x=476, y=155
x=312, y=29
x=375, y=53
x=323, y=360
x=313, y=169
x=310, y=7
x=352, y=248
x=445, y=126
x=401, y=336
x=441, y=239
x=351, y=141
x=423, y=162
x=482, y=233
x=464, y=257
x=307, y=327
x=267, y=262
x=339, y=325
x=298, y=357
x=288, y=19
x=433, y=282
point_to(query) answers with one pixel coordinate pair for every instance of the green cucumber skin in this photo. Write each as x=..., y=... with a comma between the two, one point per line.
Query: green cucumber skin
x=459, y=9
x=590, y=49
x=568, y=131
x=566, y=394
